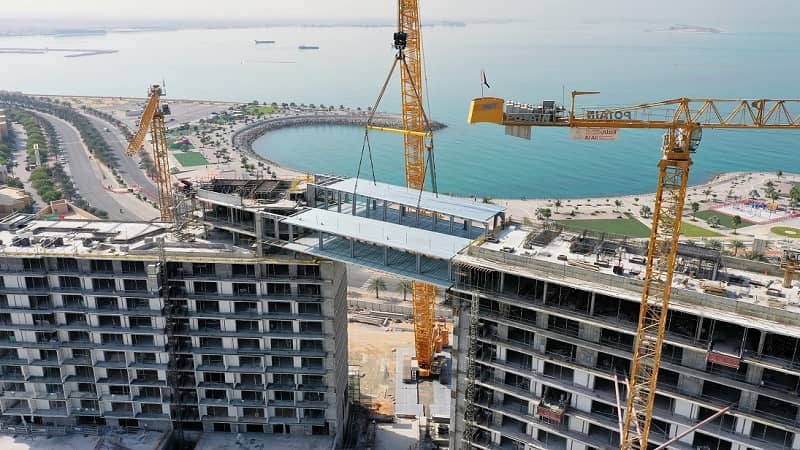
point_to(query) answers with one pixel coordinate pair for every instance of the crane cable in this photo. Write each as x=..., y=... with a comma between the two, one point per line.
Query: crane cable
x=366, y=145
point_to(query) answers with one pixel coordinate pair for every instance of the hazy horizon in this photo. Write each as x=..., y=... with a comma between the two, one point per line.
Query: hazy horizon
x=724, y=14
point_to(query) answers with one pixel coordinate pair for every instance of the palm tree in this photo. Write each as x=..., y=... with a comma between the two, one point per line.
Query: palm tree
x=618, y=203
x=695, y=208
x=376, y=283
x=713, y=221
x=645, y=211
x=737, y=244
x=404, y=286
x=707, y=192
x=737, y=222
x=557, y=204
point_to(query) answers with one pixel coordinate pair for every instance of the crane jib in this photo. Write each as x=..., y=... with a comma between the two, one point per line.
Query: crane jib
x=608, y=115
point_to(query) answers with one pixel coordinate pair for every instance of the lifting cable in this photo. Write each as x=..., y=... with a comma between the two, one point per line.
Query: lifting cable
x=371, y=116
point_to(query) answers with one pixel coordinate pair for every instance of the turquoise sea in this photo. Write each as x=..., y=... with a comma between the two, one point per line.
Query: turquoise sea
x=523, y=61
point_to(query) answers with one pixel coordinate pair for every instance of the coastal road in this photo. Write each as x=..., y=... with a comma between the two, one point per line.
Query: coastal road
x=128, y=167
x=83, y=174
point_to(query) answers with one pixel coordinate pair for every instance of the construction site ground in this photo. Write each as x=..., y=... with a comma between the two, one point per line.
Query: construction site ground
x=260, y=441
x=142, y=440
x=371, y=348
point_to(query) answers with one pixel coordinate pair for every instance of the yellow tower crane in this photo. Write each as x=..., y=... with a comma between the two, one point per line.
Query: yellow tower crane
x=683, y=119
x=153, y=120
x=418, y=144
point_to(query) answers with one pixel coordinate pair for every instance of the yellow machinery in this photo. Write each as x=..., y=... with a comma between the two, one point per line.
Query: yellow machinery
x=418, y=144
x=153, y=119
x=790, y=263
x=683, y=119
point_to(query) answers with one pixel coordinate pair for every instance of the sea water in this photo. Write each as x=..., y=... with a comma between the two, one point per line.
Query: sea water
x=523, y=61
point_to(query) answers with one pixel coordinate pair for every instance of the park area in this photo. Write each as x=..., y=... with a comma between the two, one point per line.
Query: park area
x=631, y=227
x=260, y=110
x=724, y=219
x=190, y=159
x=793, y=233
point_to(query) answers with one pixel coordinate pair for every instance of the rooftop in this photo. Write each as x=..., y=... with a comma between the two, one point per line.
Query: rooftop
x=749, y=294
x=95, y=238
x=440, y=203
x=400, y=237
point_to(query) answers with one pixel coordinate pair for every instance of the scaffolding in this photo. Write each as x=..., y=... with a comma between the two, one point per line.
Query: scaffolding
x=469, y=393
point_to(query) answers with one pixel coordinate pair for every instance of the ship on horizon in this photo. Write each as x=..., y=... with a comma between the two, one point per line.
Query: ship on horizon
x=308, y=47
x=264, y=42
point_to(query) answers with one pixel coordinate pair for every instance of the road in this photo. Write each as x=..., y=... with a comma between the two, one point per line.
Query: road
x=19, y=168
x=128, y=167
x=83, y=174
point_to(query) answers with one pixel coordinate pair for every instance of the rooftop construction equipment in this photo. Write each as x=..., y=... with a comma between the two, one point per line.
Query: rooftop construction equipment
x=683, y=119
x=153, y=120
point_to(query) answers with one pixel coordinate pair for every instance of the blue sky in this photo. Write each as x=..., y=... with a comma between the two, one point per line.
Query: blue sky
x=741, y=14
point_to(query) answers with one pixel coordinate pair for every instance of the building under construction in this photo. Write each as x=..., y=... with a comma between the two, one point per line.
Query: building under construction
x=545, y=324
x=141, y=325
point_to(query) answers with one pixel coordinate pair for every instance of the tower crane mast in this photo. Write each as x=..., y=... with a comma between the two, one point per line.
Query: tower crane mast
x=418, y=147
x=683, y=120
x=153, y=120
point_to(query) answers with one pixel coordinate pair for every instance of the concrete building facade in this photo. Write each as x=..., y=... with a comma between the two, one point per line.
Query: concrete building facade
x=254, y=343
x=553, y=330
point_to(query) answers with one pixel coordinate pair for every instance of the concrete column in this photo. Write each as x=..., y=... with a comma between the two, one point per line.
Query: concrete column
x=586, y=357
x=689, y=384
x=291, y=232
x=401, y=213
x=259, y=219
x=468, y=223
x=417, y=219
x=747, y=401
x=452, y=223
x=385, y=256
x=761, y=341
x=694, y=358
x=321, y=237
x=591, y=304
x=419, y=263
x=754, y=374
x=338, y=201
x=355, y=204
x=502, y=280
x=352, y=248
x=277, y=228
x=366, y=203
x=385, y=209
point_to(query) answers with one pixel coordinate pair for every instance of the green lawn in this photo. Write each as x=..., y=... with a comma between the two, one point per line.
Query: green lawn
x=724, y=219
x=690, y=230
x=182, y=147
x=188, y=159
x=260, y=109
x=626, y=227
x=789, y=232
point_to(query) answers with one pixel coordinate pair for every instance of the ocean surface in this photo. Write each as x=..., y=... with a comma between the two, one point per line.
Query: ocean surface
x=523, y=61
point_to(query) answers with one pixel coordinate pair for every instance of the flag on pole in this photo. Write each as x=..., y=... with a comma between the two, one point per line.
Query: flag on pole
x=483, y=79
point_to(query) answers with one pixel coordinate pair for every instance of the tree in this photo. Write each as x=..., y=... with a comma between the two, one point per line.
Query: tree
x=707, y=192
x=618, y=203
x=404, y=286
x=645, y=211
x=543, y=213
x=378, y=284
x=714, y=244
x=713, y=221
x=695, y=208
x=737, y=222
x=557, y=204
x=737, y=244
x=780, y=173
